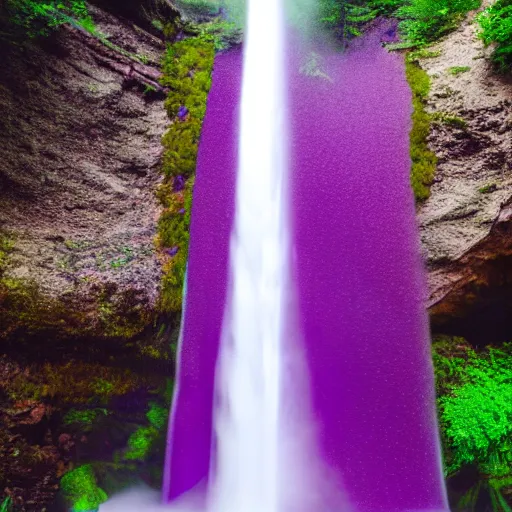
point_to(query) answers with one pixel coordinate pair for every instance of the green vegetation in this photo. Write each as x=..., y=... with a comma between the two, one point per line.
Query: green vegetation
x=424, y=161
x=449, y=119
x=157, y=415
x=475, y=408
x=140, y=443
x=496, y=27
x=457, y=70
x=425, y=21
x=488, y=189
x=219, y=32
x=6, y=247
x=187, y=69
x=39, y=17
x=423, y=53
x=422, y=21
x=80, y=488
x=346, y=18
x=83, y=418
x=6, y=505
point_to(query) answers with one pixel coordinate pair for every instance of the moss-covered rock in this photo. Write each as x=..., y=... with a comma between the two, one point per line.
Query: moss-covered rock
x=58, y=417
x=423, y=159
x=187, y=69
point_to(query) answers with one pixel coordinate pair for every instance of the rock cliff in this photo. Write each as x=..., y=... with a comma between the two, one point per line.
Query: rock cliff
x=466, y=225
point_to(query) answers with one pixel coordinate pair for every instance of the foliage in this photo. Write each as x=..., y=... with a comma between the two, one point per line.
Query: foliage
x=6, y=504
x=38, y=17
x=477, y=410
x=475, y=407
x=457, y=70
x=345, y=18
x=496, y=27
x=423, y=53
x=449, y=119
x=187, y=69
x=424, y=21
x=83, y=418
x=140, y=443
x=488, y=189
x=157, y=415
x=424, y=161
x=221, y=33
x=80, y=488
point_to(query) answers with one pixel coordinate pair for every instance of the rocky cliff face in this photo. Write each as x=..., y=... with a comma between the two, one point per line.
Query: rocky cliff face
x=81, y=125
x=79, y=165
x=466, y=223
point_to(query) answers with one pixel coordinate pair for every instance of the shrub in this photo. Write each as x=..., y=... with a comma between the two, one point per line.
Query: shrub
x=426, y=20
x=496, y=27
x=39, y=17
x=475, y=409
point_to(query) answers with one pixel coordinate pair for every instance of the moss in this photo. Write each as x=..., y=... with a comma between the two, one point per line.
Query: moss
x=74, y=383
x=83, y=418
x=181, y=145
x=449, y=119
x=140, y=443
x=488, y=189
x=187, y=69
x=424, y=53
x=80, y=488
x=107, y=314
x=157, y=415
x=457, y=70
x=187, y=72
x=424, y=161
x=6, y=247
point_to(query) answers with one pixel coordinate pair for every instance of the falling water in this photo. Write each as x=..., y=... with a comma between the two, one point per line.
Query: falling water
x=360, y=434
x=247, y=419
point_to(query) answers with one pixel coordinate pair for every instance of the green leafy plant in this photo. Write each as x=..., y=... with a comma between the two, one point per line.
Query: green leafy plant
x=475, y=409
x=449, y=119
x=6, y=505
x=496, y=27
x=457, y=70
x=424, y=21
x=488, y=189
x=39, y=17
x=140, y=443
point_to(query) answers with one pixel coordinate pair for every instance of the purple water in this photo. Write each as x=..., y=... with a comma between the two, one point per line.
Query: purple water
x=190, y=433
x=357, y=273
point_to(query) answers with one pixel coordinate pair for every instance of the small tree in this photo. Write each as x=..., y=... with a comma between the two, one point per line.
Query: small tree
x=346, y=18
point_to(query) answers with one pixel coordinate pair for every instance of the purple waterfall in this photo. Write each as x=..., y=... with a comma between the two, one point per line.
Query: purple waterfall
x=357, y=274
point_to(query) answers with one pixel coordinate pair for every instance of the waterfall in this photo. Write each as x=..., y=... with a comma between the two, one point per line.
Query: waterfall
x=247, y=418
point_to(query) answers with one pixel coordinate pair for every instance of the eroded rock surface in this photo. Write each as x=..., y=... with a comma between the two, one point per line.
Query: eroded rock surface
x=81, y=128
x=465, y=223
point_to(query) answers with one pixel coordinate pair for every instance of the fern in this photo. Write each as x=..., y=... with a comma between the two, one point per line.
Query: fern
x=496, y=27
